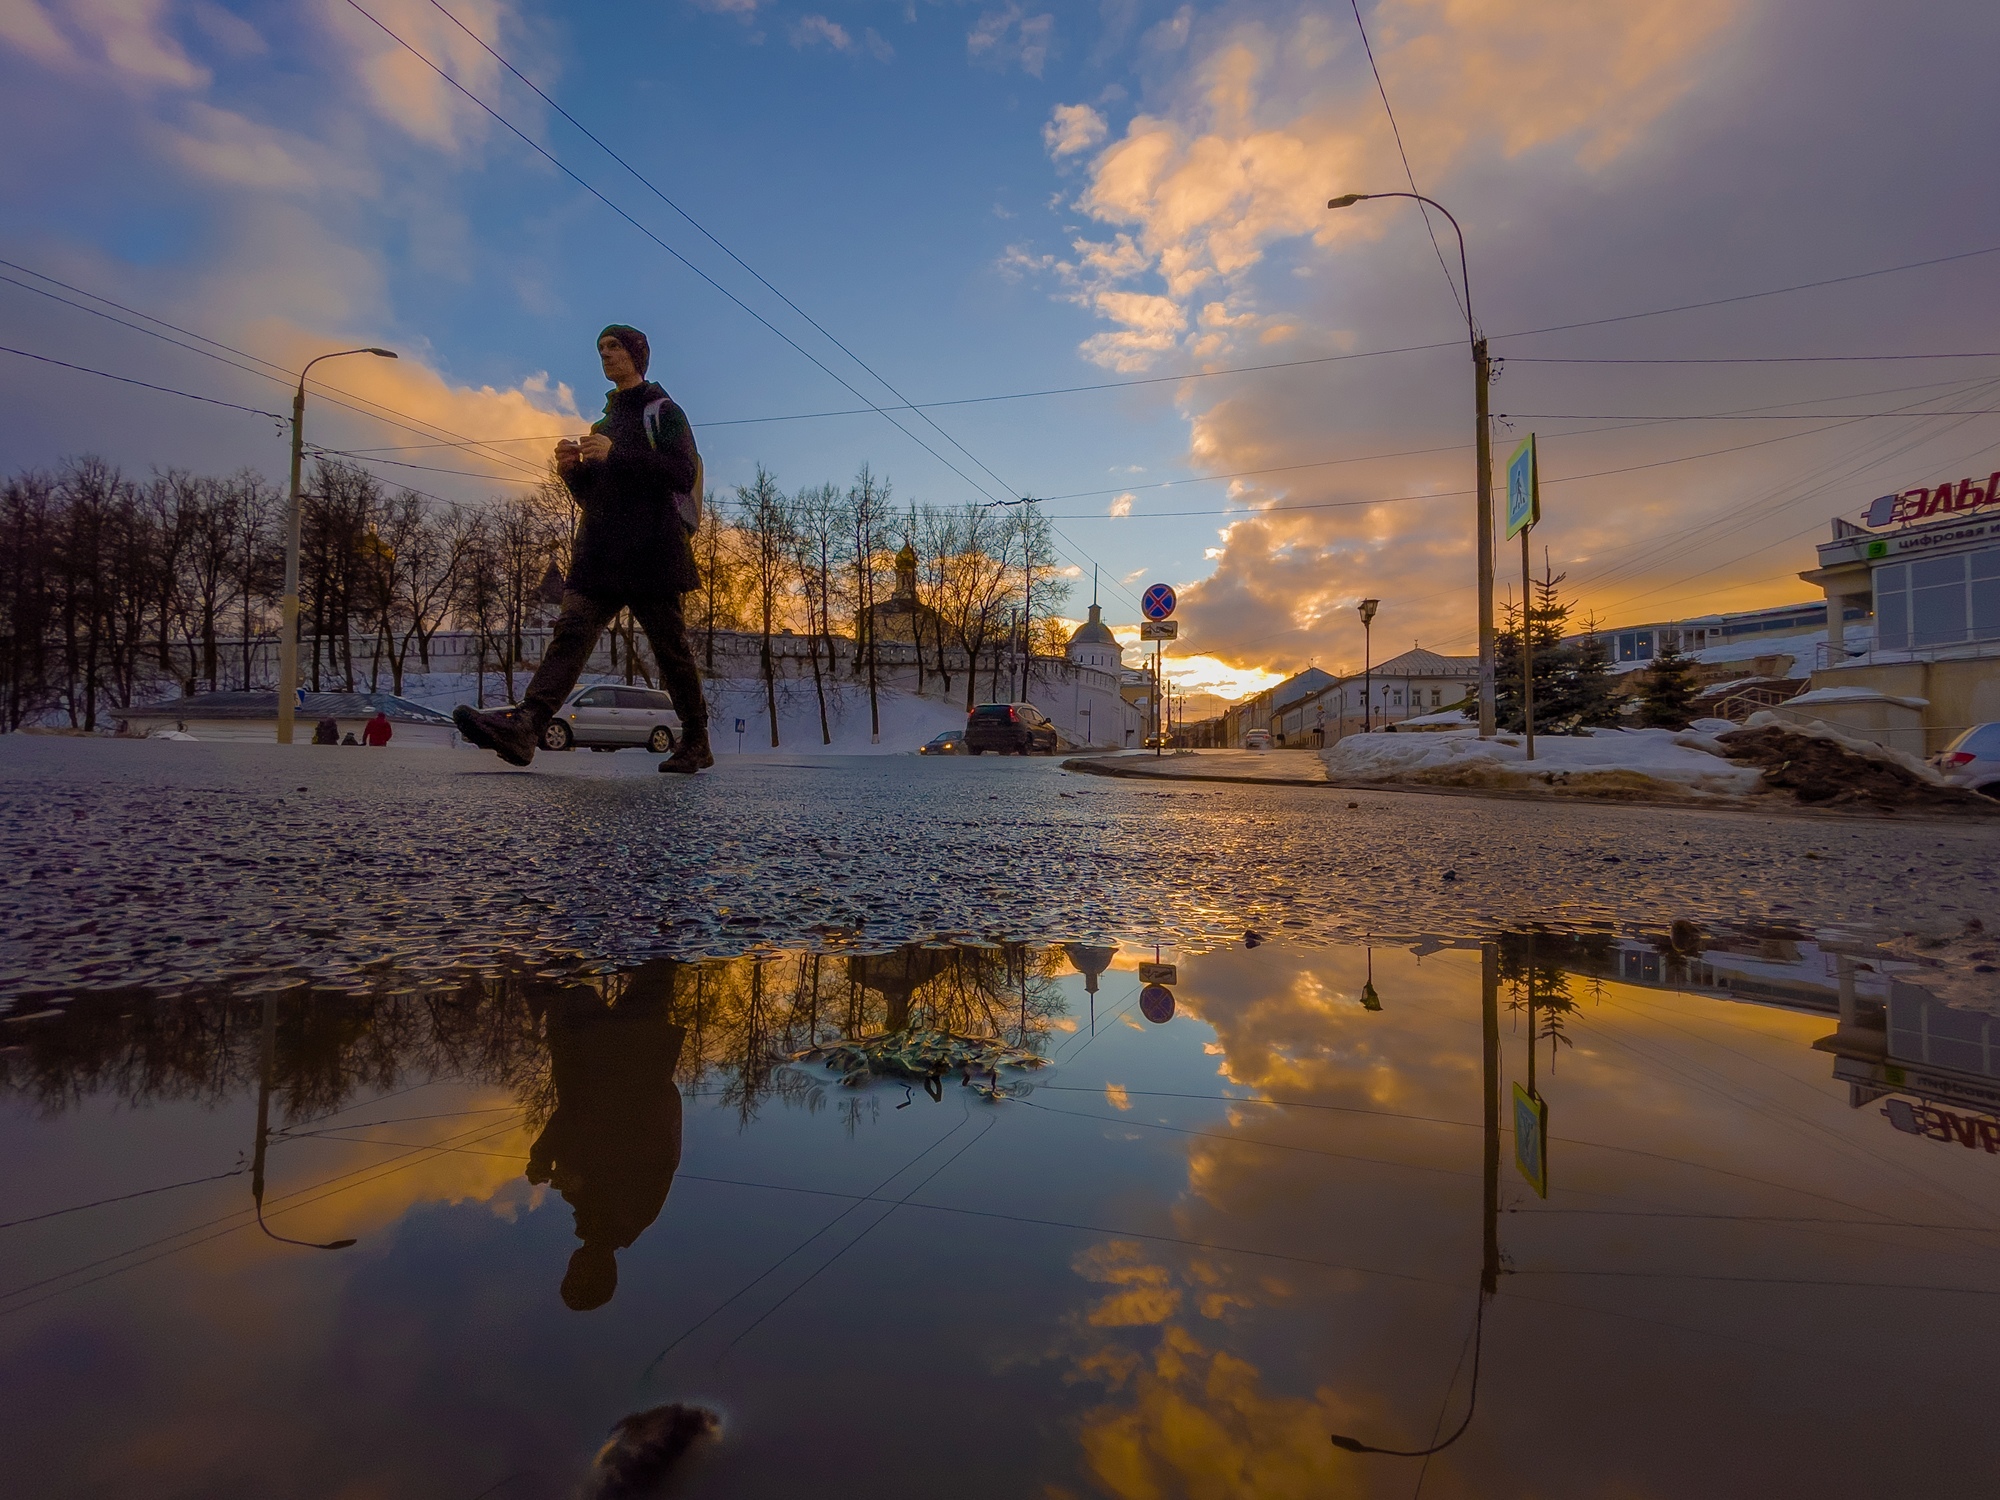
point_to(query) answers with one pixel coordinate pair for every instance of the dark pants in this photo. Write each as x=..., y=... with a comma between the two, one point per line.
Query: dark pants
x=579, y=625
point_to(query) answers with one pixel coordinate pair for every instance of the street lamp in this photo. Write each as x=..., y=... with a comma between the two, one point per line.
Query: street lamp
x=1482, y=377
x=288, y=613
x=1368, y=608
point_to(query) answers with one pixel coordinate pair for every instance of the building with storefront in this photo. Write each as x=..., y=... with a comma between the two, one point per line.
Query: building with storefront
x=1927, y=577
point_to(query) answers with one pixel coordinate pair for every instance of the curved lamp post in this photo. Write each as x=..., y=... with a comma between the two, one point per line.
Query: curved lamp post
x=288, y=627
x=1482, y=377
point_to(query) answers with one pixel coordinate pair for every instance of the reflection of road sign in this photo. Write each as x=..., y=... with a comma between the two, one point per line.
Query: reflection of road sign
x=1159, y=630
x=1156, y=1002
x=1524, y=489
x=741, y=726
x=1159, y=974
x=1158, y=602
x=1531, y=1139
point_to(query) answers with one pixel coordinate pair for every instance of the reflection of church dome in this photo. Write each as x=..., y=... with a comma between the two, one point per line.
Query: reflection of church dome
x=1090, y=960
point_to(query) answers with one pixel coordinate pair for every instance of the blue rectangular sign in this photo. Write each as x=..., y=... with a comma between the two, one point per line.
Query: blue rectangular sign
x=1524, y=489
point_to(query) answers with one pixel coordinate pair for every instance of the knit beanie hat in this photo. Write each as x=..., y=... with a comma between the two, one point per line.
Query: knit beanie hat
x=634, y=342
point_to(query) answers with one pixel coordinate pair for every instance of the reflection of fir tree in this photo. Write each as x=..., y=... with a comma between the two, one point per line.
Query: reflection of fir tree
x=1669, y=692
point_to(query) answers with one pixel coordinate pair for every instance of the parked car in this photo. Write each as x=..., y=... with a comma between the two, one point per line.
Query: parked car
x=1257, y=739
x=1017, y=728
x=951, y=742
x=608, y=717
x=1973, y=760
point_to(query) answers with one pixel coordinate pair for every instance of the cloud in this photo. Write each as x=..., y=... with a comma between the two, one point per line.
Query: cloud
x=1239, y=154
x=228, y=147
x=1122, y=505
x=26, y=27
x=744, y=8
x=818, y=31
x=1073, y=128
x=128, y=37
x=1008, y=36
x=401, y=88
x=228, y=31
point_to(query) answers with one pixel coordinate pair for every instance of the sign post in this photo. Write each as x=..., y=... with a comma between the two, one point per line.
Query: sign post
x=1524, y=510
x=1157, y=605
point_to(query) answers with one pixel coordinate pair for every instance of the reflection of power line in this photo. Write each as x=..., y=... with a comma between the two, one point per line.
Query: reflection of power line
x=77, y=1208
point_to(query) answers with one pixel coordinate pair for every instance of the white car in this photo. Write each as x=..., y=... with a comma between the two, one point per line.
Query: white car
x=613, y=717
x=1973, y=760
x=1257, y=739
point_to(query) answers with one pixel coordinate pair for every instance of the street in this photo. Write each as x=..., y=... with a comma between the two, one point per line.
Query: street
x=166, y=863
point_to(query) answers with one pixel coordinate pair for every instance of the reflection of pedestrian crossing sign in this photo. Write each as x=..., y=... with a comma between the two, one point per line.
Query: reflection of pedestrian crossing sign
x=1531, y=1139
x=1524, y=489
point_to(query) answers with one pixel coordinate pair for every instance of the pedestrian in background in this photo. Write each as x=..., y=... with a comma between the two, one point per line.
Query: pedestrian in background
x=377, y=730
x=637, y=481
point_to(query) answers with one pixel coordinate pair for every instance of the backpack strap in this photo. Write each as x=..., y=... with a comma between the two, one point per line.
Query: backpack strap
x=687, y=503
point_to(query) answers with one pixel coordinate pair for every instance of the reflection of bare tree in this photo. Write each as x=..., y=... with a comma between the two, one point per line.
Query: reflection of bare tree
x=743, y=1018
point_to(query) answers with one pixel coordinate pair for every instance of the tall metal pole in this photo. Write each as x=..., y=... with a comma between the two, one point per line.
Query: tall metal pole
x=288, y=609
x=1482, y=376
x=1527, y=652
x=1489, y=1035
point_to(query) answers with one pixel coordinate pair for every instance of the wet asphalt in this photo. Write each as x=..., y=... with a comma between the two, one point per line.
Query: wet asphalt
x=163, y=863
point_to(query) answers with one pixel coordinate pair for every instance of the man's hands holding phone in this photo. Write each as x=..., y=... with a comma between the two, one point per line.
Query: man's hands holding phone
x=572, y=451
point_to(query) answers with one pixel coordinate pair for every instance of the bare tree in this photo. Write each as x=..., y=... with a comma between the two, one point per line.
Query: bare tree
x=765, y=521
x=819, y=534
x=975, y=594
x=867, y=507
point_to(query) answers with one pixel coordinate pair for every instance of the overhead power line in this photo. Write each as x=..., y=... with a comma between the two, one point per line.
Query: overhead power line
x=165, y=390
x=1397, y=131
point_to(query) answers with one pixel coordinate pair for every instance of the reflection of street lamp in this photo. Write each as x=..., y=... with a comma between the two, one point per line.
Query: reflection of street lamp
x=1368, y=608
x=264, y=1133
x=1489, y=1261
x=1369, y=999
x=288, y=618
x=1481, y=377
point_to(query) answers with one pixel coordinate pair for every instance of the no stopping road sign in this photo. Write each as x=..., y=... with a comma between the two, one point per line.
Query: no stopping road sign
x=1158, y=602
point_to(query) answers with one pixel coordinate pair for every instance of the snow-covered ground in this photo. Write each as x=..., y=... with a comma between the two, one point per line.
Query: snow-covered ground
x=907, y=720
x=1602, y=761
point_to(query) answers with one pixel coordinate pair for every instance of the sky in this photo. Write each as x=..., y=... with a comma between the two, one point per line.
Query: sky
x=1097, y=212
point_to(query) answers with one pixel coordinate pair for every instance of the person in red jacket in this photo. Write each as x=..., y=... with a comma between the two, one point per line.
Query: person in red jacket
x=377, y=730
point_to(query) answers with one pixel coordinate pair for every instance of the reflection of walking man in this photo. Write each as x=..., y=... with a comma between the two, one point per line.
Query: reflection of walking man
x=637, y=480
x=613, y=1144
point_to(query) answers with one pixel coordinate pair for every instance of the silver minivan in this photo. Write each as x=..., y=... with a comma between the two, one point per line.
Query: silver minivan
x=612, y=716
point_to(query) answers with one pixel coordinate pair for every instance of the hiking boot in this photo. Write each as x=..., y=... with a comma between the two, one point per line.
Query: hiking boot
x=507, y=734
x=693, y=753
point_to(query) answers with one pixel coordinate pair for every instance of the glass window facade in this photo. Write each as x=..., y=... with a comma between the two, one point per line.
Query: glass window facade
x=1938, y=601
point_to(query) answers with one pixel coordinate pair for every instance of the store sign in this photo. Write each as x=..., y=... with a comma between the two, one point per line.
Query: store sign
x=1969, y=1131
x=1942, y=501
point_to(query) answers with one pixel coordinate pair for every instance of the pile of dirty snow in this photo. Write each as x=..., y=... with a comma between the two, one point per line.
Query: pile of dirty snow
x=1819, y=764
x=1599, y=763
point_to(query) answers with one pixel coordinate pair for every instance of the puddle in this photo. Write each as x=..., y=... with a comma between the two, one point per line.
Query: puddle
x=1174, y=1235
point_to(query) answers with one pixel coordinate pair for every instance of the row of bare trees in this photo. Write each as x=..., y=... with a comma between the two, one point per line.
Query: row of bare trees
x=986, y=587
x=115, y=591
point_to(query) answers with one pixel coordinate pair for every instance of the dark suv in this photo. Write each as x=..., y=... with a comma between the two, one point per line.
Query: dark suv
x=1020, y=728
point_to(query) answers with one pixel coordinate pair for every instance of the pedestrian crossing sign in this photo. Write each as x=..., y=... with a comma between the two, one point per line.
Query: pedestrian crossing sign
x=1531, y=1139
x=1524, y=489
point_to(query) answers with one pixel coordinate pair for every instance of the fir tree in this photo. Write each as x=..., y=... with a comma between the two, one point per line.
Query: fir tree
x=1669, y=689
x=1591, y=695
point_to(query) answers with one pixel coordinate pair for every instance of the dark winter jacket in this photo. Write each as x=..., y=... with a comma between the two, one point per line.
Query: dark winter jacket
x=632, y=543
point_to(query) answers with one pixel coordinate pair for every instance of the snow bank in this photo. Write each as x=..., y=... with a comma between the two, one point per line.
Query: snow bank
x=1819, y=729
x=1605, y=762
x=907, y=719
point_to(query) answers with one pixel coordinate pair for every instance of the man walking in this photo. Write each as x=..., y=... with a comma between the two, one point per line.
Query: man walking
x=631, y=478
